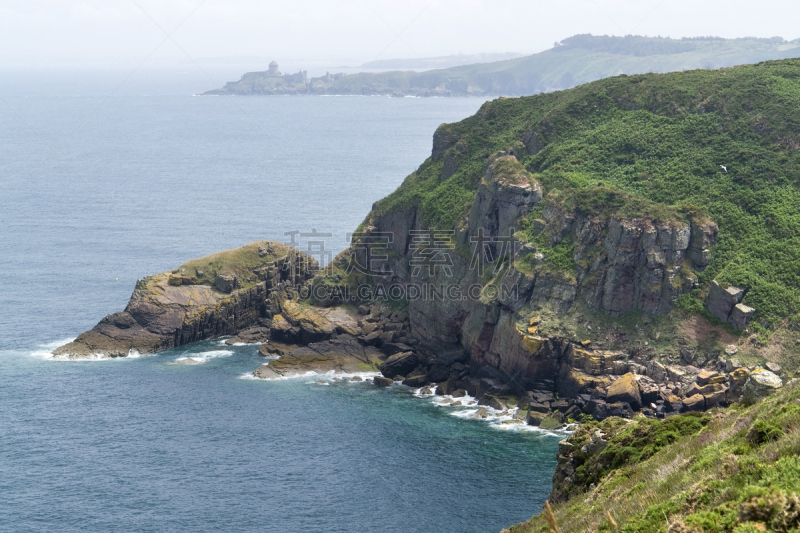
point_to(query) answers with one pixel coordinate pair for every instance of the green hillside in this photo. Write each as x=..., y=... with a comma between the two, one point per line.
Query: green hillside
x=576, y=60
x=732, y=471
x=654, y=144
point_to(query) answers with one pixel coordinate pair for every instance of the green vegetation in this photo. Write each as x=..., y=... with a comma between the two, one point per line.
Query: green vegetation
x=653, y=145
x=735, y=470
x=243, y=263
x=576, y=60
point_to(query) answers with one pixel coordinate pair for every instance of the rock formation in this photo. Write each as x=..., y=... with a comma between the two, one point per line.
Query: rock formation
x=725, y=304
x=217, y=295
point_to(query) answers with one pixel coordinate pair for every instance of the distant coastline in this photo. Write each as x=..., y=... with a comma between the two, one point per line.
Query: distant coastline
x=574, y=61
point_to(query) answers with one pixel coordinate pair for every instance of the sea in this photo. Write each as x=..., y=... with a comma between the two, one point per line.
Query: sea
x=105, y=179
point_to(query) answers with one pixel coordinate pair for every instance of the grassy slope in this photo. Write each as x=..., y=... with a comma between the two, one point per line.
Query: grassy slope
x=243, y=262
x=660, y=139
x=736, y=470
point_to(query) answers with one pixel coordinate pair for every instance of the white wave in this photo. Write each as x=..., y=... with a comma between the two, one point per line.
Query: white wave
x=308, y=374
x=45, y=351
x=88, y=357
x=327, y=376
x=201, y=357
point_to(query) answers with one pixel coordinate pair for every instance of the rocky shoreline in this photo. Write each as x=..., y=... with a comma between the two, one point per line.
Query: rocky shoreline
x=501, y=348
x=601, y=383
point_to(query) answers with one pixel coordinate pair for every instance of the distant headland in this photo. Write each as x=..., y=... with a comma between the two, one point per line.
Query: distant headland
x=574, y=61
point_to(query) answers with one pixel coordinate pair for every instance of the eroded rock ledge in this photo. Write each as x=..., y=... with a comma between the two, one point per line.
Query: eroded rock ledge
x=217, y=295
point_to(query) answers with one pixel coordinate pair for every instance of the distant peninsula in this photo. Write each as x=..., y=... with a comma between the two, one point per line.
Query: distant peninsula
x=573, y=61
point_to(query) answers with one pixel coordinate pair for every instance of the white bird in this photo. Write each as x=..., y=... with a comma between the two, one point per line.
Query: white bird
x=116, y=280
x=723, y=167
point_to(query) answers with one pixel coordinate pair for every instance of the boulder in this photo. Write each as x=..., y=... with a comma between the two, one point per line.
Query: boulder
x=480, y=413
x=625, y=389
x=445, y=388
x=281, y=330
x=391, y=348
x=552, y=422
x=380, y=381
x=560, y=405
x=721, y=301
x=761, y=383
x=492, y=401
x=400, y=363
x=416, y=380
x=534, y=418
x=373, y=339
x=620, y=409
x=696, y=402
x=716, y=397
x=709, y=388
x=707, y=376
x=741, y=315
x=671, y=401
x=650, y=393
x=732, y=364
x=736, y=381
x=596, y=444
x=254, y=335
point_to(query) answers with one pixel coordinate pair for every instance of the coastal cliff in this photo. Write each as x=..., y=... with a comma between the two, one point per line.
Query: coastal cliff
x=623, y=254
x=544, y=261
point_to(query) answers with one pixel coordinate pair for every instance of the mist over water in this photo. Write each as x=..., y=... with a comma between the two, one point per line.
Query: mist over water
x=140, y=183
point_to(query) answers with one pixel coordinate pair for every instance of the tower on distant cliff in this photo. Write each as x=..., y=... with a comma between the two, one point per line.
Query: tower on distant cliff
x=273, y=69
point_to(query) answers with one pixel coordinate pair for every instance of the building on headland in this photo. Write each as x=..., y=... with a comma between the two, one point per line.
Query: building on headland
x=299, y=77
x=333, y=77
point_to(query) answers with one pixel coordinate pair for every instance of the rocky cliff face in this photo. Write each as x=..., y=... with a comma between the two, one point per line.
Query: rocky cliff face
x=221, y=294
x=496, y=278
x=631, y=264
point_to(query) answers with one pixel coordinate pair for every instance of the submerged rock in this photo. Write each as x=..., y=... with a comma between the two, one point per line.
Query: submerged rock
x=381, y=381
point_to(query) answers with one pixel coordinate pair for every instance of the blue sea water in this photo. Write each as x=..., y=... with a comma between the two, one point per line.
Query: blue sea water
x=97, y=192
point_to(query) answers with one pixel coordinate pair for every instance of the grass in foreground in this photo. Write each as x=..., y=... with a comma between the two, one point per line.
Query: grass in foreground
x=737, y=470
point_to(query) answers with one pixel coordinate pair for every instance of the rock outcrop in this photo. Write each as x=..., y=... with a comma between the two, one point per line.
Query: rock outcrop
x=630, y=264
x=726, y=305
x=617, y=263
x=217, y=295
x=339, y=354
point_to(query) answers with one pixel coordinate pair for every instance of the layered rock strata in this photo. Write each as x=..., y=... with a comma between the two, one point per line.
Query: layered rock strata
x=218, y=295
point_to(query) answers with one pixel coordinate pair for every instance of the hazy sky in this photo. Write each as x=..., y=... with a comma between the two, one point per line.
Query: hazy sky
x=317, y=33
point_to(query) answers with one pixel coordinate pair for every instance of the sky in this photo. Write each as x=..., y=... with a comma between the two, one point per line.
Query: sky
x=317, y=34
